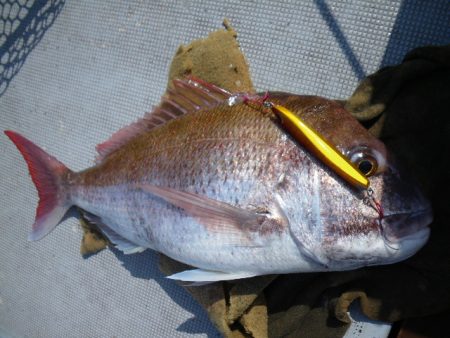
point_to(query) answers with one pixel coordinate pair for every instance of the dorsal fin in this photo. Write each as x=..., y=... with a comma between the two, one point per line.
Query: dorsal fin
x=187, y=95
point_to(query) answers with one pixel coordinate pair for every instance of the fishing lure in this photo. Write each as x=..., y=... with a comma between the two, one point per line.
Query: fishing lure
x=326, y=152
x=319, y=146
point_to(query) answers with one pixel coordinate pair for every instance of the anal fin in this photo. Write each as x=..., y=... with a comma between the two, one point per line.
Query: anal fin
x=118, y=241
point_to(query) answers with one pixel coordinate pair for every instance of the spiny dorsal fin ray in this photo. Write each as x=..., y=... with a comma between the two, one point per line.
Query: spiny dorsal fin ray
x=187, y=95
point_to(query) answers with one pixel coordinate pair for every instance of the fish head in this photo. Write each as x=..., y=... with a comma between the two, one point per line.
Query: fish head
x=347, y=233
x=357, y=234
x=403, y=225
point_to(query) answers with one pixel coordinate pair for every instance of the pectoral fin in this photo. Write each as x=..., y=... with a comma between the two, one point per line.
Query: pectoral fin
x=216, y=215
x=208, y=276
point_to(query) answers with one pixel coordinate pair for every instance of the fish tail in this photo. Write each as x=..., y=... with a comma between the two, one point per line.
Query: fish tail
x=48, y=175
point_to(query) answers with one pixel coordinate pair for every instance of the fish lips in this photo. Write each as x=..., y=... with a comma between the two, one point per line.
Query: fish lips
x=407, y=225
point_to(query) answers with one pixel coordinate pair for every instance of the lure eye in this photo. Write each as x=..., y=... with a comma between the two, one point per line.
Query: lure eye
x=367, y=166
x=364, y=161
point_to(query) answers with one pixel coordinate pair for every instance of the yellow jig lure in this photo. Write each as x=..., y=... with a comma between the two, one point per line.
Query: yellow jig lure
x=319, y=146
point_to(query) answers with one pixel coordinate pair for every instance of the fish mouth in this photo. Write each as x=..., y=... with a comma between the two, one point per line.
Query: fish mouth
x=406, y=247
x=406, y=225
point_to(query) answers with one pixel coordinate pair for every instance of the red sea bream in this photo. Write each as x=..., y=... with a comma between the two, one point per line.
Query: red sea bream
x=213, y=182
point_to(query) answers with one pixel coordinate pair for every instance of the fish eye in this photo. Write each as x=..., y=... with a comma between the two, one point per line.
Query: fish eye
x=364, y=161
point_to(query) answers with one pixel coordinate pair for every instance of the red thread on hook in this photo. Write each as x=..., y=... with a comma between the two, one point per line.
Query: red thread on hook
x=379, y=209
x=255, y=98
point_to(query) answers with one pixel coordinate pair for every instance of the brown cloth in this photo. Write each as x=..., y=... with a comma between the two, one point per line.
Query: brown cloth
x=407, y=107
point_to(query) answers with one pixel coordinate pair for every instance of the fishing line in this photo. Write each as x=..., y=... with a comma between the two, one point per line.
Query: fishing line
x=370, y=200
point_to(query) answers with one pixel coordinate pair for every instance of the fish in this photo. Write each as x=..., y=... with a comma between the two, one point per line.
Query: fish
x=217, y=183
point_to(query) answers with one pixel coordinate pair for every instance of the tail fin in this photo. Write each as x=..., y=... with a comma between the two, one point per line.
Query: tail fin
x=47, y=174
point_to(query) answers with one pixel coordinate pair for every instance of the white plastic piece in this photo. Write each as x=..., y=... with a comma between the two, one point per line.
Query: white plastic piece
x=363, y=327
